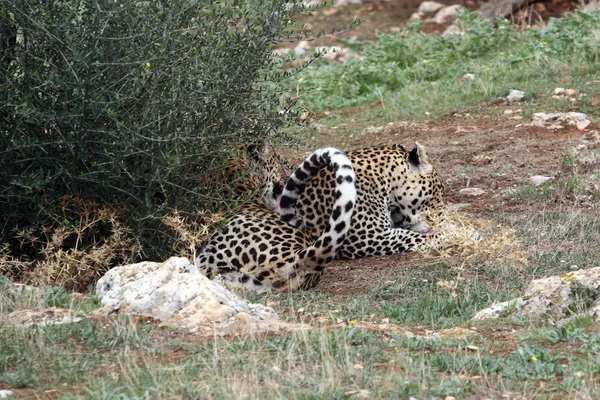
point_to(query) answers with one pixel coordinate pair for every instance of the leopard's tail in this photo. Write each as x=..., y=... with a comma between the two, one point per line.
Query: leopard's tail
x=314, y=258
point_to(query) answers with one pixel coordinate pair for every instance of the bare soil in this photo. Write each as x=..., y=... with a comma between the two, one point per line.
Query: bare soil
x=492, y=153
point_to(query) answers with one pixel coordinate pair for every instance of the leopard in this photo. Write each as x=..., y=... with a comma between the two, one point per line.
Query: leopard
x=259, y=172
x=399, y=195
x=257, y=250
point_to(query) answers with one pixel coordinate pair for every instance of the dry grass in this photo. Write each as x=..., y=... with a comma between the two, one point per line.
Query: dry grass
x=459, y=235
x=191, y=232
x=90, y=241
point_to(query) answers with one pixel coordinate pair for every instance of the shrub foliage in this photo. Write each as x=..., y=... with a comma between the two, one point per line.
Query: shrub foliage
x=132, y=102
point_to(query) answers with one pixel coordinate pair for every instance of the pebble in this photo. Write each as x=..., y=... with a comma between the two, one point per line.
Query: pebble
x=515, y=95
x=537, y=180
x=471, y=191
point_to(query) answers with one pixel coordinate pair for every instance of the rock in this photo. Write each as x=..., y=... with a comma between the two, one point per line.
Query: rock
x=416, y=16
x=452, y=30
x=591, y=6
x=556, y=298
x=301, y=48
x=471, y=191
x=591, y=138
x=581, y=125
x=468, y=77
x=175, y=293
x=49, y=316
x=537, y=180
x=570, y=92
x=6, y=393
x=558, y=91
x=515, y=95
x=447, y=14
x=572, y=118
x=370, y=130
x=429, y=8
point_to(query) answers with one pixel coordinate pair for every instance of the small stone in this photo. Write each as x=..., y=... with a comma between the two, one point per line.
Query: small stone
x=6, y=393
x=579, y=374
x=429, y=8
x=369, y=130
x=416, y=16
x=452, y=30
x=447, y=14
x=449, y=398
x=572, y=99
x=581, y=125
x=276, y=369
x=508, y=112
x=558, y=91
x=517, y=117
x=471, y=191
x=557, y=97
x=571, y=92
x=468, y=77
x=385, y=321
x=363, y=394
x=472, y=347
x=358, y=367
x=515, y=95
x=537, y=180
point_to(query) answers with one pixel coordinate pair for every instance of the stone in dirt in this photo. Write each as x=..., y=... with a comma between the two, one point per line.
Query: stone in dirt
x=572, y=118
x=468, y=77
x=537, y=180
x=515, y=95
x=557, y=299
x=6, y=394
x=175, y=293
x=471, y=191
x=48, y=316
x=447, y=14
x=429, y=8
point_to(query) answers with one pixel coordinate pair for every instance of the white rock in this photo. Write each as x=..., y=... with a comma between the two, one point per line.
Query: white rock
x=572, y=118
x=6, y=393
x=370, y=130
x=178, y=295
x=554, y=298
x=471, y=191
x=537, y=180
x=447, y=14
x=581, y=125
x=48, y=316
x=452, y=30
x=558, y=91
x=301, y=48
x=468, y=77
x=428, y=8
x=416, y=16
x=515, y=95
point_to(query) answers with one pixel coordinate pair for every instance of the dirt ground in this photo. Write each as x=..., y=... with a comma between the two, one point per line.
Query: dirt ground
x=492, y=153
x=498, y=152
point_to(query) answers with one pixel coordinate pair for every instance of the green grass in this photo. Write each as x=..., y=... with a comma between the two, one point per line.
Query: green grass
x=415, y=76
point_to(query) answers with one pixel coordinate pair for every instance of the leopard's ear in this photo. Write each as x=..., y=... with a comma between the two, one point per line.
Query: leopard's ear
x=418, y=159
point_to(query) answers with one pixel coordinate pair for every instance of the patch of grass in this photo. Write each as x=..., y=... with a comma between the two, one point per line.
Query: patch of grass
x=13, y=298
x=412, y=73
x=62, y=354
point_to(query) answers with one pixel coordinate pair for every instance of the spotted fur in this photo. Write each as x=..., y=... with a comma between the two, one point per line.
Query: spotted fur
x=258, y=250
x=259, y=173
x=398, y=192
